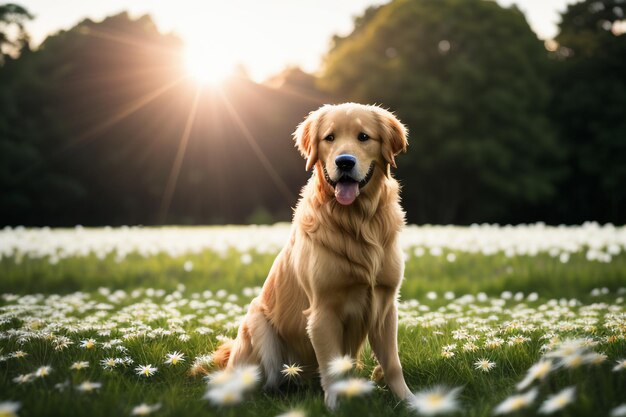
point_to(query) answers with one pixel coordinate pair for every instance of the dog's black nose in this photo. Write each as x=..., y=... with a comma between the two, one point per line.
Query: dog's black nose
x=345, y=162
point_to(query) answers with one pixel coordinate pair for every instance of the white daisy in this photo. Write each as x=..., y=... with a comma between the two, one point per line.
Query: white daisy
x=88, y=386
x=146, y=370
x=174, y=358
x=558, y=401
x=293, y=413
x=227, y=394
x=109, y=363
x=621, y=365
x=619, y=411
x=88, y=344
x=145, y=409
x=247, y=377
x=436, y=400
x=352, y=387
x=9, y=408
x=484, y=365
x=340, y=366
x=291, y=371
x=538, y=371
x=77, y=366
x=43, y=371
x=516, y=402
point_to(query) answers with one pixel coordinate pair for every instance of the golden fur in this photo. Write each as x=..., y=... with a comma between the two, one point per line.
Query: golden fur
x=337, y=279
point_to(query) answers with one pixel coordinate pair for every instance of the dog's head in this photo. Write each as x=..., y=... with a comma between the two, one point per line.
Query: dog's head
x=348, y=143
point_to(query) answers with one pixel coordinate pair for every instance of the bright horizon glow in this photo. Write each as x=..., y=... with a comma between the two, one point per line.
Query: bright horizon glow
x=263, y=37
x=207, y=64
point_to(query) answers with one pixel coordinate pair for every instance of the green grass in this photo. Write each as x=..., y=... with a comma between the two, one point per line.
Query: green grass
x=599, y=389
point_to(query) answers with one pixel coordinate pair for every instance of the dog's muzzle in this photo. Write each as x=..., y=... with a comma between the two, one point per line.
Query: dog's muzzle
x=347, y=188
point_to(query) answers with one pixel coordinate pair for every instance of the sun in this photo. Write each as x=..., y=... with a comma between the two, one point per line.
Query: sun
x=209, y=64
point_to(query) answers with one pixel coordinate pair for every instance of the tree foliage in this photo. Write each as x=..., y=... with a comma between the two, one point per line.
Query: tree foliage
x=469, y=78
x=12, y=16
x=99, y=124
x=589, y=110
x=93, y=123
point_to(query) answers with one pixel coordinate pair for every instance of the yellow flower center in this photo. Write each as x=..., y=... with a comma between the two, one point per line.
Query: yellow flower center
x=434, y=399
x=517, y=403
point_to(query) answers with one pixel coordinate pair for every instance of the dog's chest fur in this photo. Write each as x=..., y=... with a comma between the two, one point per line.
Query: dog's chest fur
x=358, y=238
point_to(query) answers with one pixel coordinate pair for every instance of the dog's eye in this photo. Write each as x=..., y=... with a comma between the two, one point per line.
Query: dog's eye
x=363, y=137
x=329, y=138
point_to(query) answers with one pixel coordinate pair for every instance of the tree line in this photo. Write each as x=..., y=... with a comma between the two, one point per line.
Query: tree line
x=99, y=124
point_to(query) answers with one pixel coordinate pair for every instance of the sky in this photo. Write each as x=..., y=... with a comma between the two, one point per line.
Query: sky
x=263, y=35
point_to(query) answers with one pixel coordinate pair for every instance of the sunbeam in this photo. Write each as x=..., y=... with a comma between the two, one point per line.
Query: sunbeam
x=178, y=161
x=91, y=133
x=276, y=178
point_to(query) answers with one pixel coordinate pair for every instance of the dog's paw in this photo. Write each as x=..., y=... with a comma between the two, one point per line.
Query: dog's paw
x=330, y=399
x=377, y=374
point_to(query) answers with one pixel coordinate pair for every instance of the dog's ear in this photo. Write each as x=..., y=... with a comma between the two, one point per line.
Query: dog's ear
x=306, y=140
x=394, y=136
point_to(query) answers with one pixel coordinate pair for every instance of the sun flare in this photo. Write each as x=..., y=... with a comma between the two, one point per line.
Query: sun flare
x=208, y=64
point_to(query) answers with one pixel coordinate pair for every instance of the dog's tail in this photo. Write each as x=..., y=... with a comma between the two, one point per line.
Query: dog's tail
x=222, y=353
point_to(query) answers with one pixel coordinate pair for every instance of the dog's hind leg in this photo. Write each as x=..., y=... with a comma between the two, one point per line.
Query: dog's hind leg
x=266, y=345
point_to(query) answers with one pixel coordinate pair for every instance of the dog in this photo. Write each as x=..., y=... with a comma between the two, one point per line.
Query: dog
x=336, y=281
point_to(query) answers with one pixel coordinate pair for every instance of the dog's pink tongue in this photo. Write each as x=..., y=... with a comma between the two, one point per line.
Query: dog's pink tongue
x=346, y=192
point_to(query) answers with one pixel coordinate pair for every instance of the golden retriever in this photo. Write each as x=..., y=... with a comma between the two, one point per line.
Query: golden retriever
x=337, y=279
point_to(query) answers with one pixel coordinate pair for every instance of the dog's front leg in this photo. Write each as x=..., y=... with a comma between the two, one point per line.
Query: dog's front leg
x=326, y=333
x=384, y=342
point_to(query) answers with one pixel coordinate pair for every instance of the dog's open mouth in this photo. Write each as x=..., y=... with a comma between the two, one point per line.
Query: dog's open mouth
x=347, y=189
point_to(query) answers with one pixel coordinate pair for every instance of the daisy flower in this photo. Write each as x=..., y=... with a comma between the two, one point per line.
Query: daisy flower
x=220, y=377
x=9, y=408
x=61, y=386
x=595, y=358
x=573, y=360
x=619, y=411
x=293, y=413
x=19, y=354
x=538, y=371
x=174, y=358
x=247, y=377
x=88, y=344
x=516, y=402
x=88, y=386
x=493, y=343
x=340, y=366
x=291, y=371
x=227, y=394
x=436, y=400
x=558, y=401
x=447, y=354
x=24, y=378
x=146, y=370
x=484, y=365
x=470, y=347
x=109, y=363
x=43, y=371
x=77, y=366
x=201, y=364
x=145, y=409
x=352, y=387
x=621, y=365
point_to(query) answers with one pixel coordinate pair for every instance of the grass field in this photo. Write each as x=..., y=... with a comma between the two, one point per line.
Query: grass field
x=117, y=299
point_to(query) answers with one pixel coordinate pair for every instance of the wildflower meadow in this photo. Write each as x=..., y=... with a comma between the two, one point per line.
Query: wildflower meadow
x=494, y=320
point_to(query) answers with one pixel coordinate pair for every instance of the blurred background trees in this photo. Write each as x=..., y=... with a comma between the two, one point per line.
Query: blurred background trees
x=470, y=80
x=589, y=110
x=503, y=128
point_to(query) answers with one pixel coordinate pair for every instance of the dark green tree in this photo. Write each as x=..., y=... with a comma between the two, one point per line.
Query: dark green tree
x=24, y=128
x=469, y=78
x=589, y=109
x=102, y=125
x=12, y=15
